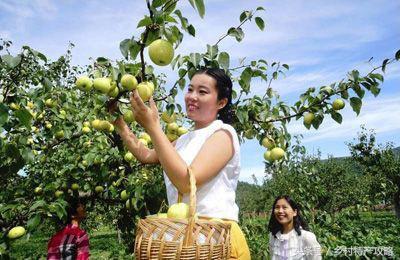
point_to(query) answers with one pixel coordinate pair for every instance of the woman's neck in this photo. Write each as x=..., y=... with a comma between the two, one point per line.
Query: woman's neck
x=287, y=228
x=199, y=125
x=75, y=222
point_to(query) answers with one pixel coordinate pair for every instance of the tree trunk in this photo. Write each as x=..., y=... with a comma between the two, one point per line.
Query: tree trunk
x=119, y=236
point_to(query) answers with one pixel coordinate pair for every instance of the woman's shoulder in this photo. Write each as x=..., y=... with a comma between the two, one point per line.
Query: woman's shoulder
x=230, y=129
x=308, y=236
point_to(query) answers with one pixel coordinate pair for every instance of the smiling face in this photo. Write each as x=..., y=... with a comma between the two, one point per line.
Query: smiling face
x=284, y=213
x=201, y=100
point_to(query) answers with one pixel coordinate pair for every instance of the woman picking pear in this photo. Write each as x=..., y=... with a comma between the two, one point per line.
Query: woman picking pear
x=211, y=150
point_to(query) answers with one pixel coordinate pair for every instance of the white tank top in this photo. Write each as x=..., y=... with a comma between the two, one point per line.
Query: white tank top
x=215, y=198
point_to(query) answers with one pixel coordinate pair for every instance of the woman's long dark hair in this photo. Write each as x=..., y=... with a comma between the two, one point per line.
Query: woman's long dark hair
x=298, y=222
x=224, y=88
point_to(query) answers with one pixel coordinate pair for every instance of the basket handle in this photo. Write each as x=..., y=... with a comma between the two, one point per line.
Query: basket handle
x=188, y=239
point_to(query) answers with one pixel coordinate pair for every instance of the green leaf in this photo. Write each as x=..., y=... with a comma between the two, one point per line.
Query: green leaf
x=192, y=3
x=28, y=155
x=170, y=7
x=152, y=36
x=3, y=114
x=124, y=47
x=195, y=59
x=212, y=50
x=344, y=94
x=39, y=55
x=246, y=75
x=157, y=3
x=376, y=76
x=200, y=7
x=244, y=15
x=24, y=117
x=260, y=8
x=384, y=65
x=223, y=60
x=285, y=66
x=397, y=55
x=182, y=73
x=237, y=33
x=375, y=90
x=144, y=22
x=11, y=61
x=33, y=222
x=172, y=34
x=182, y=83
x=337, y=117
x=37, y=204
x=181, y=18
x=170, y=19
x=102, y=61
x=275, y=75
x=356, y=104
x=260, y=23
x=317, y=121
x=191, y=30
x=354, y=75
x=134, y=49
x=359, y=91
x=242, y=115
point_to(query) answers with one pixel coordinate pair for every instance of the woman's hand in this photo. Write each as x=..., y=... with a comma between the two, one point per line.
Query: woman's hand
x=146, y=116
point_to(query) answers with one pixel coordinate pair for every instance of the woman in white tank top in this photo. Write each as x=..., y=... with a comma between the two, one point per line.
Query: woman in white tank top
x=211, y=150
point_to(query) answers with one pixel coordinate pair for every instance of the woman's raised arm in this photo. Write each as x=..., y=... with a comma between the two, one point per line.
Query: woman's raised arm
x=137, y=148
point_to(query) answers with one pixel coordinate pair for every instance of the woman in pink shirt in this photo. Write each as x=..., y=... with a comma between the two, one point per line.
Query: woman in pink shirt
x=71, y=242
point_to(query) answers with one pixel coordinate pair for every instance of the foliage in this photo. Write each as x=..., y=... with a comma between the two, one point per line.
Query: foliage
x=369, y=229
x=382, y=165
x=339, y=197
x=248, y=198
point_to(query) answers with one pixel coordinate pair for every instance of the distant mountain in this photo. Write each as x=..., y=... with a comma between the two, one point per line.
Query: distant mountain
x=396, y=151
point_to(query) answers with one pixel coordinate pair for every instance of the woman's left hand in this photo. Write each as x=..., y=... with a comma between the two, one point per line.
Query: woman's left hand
x=146, y=116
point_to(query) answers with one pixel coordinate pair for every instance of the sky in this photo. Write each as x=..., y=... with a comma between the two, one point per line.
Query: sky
x=320, y=40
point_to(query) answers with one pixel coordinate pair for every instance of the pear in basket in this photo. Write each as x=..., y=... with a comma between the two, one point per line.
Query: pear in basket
x=162, y=215
x=178, y=211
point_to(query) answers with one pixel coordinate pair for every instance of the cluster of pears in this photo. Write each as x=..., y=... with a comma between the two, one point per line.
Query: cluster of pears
x=173, y=129
x=101, y=125
x=337, y=104
x=106, y=86
x=273, y=153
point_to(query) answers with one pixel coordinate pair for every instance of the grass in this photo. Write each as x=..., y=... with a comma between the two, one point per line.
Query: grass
x=103, y=245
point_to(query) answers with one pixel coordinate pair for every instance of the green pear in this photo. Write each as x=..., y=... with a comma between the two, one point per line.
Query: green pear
x=84, y=83
x=102, y=84
x=161, y=52
x=129, y=82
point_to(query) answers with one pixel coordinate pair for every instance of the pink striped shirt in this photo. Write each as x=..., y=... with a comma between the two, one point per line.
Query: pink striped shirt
x=69, y=243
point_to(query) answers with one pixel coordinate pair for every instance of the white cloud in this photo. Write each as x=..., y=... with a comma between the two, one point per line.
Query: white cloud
x=44, y=9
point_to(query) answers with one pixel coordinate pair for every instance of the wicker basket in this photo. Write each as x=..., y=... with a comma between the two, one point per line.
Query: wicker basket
x=166, y=238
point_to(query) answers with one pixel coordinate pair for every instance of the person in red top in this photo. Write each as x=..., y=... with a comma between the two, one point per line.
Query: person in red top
x=71, y=242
